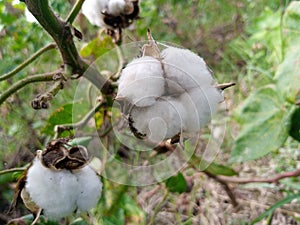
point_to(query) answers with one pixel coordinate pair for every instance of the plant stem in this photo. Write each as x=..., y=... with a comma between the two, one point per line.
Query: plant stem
x=27, y=62
x=21, y=83
x=274, y=179
x=58, y=129
x=61, y=32
x=225, y=186
x=74, y=11
x=12, y=170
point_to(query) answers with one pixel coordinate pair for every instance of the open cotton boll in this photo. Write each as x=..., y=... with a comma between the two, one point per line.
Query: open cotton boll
x=141, y=82
x=185, y=69
x=89, y=188
x=53, y=191
x=92, y=9
x=158, y=122
x=200, y=104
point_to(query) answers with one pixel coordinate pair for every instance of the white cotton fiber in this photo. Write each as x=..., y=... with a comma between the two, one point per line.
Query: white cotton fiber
x=184, y=70
x=89, y=188
x=173, y=94
x=141, y=81
x=200, y=104
x=59, y=193
x=54, y=191
x=161, y=121
x=116, y=7
x=92, y=9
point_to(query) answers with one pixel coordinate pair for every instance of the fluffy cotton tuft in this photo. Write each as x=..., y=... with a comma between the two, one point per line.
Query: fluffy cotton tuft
x=89, y=188
x=93, y=9
x=141, y=81
x=60, y=193
x=54, y=191
x=200, y=104
x=116, y=7
x=184, y=70
x=160, y=121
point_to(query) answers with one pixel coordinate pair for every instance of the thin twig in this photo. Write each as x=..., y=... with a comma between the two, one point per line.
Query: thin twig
x=225, y=186
x=74, y=11
x=12, y=170
x=41, y=101
x=195, y=162
x=58, y=129
x=22, y=83
x=61, y=32
x=274, y=179
x=28, y=61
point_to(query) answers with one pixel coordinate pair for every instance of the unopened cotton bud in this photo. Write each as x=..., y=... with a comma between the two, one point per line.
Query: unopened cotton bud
x=141, y=82
x=184, y=70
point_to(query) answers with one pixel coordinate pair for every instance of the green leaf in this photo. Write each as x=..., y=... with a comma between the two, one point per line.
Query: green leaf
x=290, y=24
x=213, y=168
x=84, y=141
x=265, y=125
x=176, y=183
x=133, y=212
x=62, y=115
x=118, y=218
x=97, y=47
x=269, y=211
x=295, y=125
x=288, y=74
x=217, y=169
x=9, y=177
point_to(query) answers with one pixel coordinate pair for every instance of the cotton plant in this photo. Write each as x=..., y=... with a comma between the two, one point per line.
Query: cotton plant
x=166, y=93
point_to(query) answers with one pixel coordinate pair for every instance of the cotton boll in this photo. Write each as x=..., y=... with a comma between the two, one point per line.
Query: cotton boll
x=141, y=82
x=184, y=70
x=92, y=9
x=186, y=113
x=158, y=122
x=89, y=188
x=54, y=191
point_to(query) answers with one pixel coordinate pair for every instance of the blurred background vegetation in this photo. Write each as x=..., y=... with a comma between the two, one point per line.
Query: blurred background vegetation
x=253, y=43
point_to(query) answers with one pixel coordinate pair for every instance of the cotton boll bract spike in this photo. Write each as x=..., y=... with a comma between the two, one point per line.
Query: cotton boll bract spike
x=151, y=49
x=185, y=69
x=141, y=82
